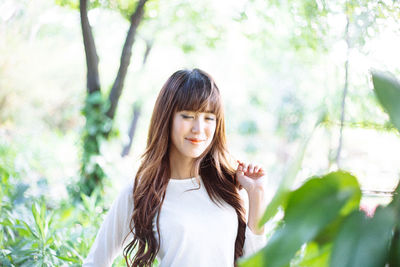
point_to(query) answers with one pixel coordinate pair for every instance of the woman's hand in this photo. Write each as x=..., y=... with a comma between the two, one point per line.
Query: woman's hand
x=249, y=176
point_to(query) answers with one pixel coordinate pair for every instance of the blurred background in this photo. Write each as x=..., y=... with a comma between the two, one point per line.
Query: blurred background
x=282, y=67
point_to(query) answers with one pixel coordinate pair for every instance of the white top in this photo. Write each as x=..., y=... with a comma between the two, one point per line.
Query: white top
x=194, y=230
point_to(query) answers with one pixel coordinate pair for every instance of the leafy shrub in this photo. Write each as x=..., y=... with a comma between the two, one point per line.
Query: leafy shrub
x=322, y=223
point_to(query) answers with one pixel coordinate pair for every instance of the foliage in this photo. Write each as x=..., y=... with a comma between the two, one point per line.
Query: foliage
x=39, y=232
x=27, y=223
x=311, y=21
x=282, y=194
x=388, y=92
x=323, y=218
x=97, y=127
x=290, y=117
x=33, y=233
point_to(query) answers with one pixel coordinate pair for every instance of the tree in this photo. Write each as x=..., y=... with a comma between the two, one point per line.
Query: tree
x=312, y=30
x=100, y=111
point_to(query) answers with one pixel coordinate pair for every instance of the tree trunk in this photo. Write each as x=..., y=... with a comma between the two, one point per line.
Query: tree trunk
x=136, y=107
x=92, y=60
x=149, y=46
x=116, y=89
x=92, y=174
x=132, y=130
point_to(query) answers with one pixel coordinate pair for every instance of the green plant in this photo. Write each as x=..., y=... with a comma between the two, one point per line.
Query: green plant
x=44, y=236
x=8, y=177
x=322, y=223
x=97, y=127
x=35, y=234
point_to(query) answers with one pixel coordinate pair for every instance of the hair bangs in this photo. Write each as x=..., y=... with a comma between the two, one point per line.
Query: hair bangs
x=198, y=93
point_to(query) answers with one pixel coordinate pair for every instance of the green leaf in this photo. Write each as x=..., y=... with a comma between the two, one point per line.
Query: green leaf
x=38, y=219
x=330, y=232
x=314, y=256
x=255, y=260
x=364, y=242
x=30, y=230
x=281, y=194
x=346, y=181
x=387, y=90
x=395, y=203
x=309, y=210
x=73, y=4
x=66, y=213
x=394, y=257
x=273, y=207
x=280, y=198
x=68, y=259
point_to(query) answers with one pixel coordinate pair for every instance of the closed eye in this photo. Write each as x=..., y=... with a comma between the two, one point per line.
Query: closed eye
x=186, y=116
x=210, y=119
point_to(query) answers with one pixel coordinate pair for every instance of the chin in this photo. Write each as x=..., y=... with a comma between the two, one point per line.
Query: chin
x=196, y=154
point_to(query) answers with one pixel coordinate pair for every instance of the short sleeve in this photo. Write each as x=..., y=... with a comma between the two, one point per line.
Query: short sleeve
x=113, y=233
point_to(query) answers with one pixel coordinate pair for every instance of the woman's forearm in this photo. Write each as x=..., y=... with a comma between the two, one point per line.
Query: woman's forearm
x=256, y=209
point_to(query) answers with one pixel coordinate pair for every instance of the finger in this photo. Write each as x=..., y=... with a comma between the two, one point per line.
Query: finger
x=239, y=163
x=240, y=168
x=245, y=167
x=250, y=169
x=256, y=169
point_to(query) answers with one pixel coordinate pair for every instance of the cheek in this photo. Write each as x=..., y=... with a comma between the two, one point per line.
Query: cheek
x=211, y=131
x=179, y=130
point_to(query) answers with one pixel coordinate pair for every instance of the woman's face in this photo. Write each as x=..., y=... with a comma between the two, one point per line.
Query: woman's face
x=192, y=132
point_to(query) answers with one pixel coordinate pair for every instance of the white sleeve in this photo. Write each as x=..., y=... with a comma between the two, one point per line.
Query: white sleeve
x=252, y=242
x=110, y=239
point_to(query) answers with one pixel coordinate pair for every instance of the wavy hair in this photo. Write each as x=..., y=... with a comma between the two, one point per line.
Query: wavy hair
x=184, y=90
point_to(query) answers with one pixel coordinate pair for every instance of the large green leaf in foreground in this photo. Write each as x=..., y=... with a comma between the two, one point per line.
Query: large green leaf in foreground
x=394, y=257
x=387, y=89
x=364, y=242
x=309, y=210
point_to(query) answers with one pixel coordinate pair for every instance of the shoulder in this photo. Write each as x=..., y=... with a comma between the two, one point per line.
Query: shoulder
x=127, y=189
x=124, y=199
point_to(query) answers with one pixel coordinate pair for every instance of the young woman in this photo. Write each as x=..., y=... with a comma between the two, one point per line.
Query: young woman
x=184, y=206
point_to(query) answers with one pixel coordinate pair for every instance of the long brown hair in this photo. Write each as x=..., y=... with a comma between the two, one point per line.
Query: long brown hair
x=184, y=90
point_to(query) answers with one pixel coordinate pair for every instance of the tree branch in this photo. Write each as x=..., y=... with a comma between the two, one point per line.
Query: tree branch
x=92, y=60
x=125, y=58
x=345, y=89
x=132, y=130
x=149, y=46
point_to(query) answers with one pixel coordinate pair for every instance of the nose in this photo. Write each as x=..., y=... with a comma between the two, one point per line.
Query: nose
x=197, y=125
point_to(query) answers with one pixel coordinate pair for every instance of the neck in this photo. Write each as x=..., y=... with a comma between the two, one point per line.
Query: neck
x=181, y=167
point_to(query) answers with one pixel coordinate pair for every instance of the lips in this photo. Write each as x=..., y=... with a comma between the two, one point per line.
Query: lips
x=194, y=140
